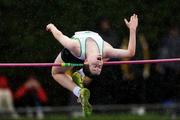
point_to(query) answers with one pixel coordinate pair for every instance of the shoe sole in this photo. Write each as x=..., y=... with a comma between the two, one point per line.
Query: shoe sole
x=86, y=106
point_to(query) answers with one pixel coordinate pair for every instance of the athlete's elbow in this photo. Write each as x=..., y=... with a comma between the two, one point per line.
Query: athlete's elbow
x=132, y=53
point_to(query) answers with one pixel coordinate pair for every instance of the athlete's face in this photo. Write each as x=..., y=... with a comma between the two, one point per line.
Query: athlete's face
x=95, y=64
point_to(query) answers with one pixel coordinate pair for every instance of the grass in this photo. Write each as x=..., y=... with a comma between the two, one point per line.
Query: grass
x=108, y=117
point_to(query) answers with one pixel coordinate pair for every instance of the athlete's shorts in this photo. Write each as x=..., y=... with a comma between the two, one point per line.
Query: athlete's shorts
x=68, y=57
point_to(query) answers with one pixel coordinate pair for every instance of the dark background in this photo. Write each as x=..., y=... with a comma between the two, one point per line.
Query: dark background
x=23, y=39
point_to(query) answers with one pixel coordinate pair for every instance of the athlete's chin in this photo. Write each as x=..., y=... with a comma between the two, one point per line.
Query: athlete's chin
x=96, y=73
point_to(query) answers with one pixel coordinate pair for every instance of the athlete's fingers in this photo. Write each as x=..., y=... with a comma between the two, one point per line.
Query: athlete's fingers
x=137, y=18
x=125, y=20
x=131, y=18
x=47, y=28
x=135, y=15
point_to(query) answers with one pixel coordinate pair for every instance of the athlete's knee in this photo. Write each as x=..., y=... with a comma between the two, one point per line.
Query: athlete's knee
x=54, y=72
x=57, y=73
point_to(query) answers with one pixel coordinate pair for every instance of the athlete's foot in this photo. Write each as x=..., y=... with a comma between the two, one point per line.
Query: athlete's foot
x=84, y=99
x=78, y=79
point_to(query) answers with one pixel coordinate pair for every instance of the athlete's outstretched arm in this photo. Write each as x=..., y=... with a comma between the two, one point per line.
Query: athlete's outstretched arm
x=117, y=53
x=64, y=40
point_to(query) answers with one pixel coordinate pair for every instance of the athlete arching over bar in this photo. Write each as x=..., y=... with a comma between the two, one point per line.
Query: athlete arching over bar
x=88, y=47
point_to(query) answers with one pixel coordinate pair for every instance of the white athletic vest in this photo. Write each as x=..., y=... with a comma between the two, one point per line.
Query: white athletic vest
x=82, y=37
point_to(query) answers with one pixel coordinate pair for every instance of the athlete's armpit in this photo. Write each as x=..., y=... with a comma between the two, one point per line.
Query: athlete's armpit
x=118, y=53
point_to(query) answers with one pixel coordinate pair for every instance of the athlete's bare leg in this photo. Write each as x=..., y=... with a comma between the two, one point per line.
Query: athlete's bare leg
x=66, y=81
x=61, y=77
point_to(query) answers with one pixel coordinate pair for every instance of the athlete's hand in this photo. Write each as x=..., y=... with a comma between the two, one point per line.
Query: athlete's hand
x=133, y=23
x=49, y=27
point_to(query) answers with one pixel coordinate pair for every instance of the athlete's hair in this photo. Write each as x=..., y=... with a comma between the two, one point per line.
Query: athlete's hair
x=87, y=71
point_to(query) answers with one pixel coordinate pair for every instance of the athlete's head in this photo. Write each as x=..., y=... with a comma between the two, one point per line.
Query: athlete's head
x=95, y=64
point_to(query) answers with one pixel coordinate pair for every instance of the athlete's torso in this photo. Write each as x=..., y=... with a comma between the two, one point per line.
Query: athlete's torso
x=82, y=37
